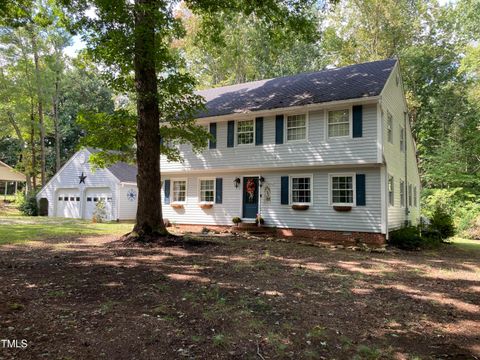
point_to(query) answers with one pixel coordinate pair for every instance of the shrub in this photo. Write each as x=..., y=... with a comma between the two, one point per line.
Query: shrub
x=407, y=238
x=236, y=220
x=27, y=204
x=100, y=212
x=442, y=223
x=259, y=220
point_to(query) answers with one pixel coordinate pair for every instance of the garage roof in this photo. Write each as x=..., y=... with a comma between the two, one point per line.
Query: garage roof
x=124, y=172
x=350, y=82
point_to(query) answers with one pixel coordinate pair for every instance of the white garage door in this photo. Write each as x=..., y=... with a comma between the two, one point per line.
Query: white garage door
x=68, y=203
x=93, y=196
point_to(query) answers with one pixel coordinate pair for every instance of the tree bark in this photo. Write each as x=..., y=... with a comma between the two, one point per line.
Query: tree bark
x=149, y=222
x=40, y=105
x=32, y=146
x=56, y=126
x=20, y=137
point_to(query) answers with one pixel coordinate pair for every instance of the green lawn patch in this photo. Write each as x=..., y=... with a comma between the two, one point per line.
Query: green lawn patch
x=19, y=229
x=466, y=244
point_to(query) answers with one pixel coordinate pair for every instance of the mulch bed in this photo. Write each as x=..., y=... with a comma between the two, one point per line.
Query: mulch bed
x=227, y=297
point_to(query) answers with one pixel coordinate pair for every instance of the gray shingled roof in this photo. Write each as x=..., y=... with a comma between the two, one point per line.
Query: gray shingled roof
x=124, y=172
x=350, y=82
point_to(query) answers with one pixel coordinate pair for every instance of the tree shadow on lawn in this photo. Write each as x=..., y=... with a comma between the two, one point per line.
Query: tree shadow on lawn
x=236, y=298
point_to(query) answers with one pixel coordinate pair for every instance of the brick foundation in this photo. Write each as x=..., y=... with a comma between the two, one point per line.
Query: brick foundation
x=336, y=237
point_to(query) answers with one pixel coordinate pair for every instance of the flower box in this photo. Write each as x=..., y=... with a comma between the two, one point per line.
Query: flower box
x=176, y=206
x=300, y=207
x=342, y=208
x=205, y=206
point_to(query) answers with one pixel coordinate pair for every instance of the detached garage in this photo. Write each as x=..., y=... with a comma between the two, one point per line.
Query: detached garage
x=76, y=189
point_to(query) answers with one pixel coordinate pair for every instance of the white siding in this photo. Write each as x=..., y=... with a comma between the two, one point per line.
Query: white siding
x=68, y=178
x=320, y=215
x=317, y=150
x=127, y=210
x=393, y=102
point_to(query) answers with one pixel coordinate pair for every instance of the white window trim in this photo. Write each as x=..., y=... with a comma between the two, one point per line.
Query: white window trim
x=173, y=194
x=393, y=190
x=400, y=181
x=389, y=115
x=350, y=122
x=330, y=189
x=254, y=132
x=290, y=189
x=285, y=130
x=402, y=136
x=199, y=192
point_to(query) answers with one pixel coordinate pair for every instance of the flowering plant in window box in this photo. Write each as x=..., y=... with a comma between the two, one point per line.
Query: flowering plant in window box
x=205, y=205
x=300, y=207
x=342, y=208
x=176, y=205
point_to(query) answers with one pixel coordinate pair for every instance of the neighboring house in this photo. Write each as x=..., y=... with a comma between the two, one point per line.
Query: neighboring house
x=9, y=179
x=327, y=154
x=75, y=190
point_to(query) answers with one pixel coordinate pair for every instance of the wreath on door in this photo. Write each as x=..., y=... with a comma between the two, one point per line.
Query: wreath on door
x=250, y=189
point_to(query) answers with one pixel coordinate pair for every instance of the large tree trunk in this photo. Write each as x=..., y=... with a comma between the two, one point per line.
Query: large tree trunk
x=40, y=105
x=57, y=129
x=149, y=222
x=32, y=147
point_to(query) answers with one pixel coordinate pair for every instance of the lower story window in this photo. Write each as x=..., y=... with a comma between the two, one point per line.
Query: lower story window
x=302, y=190
x=179, y=190
x=342, y=190
x=390, y=191
x=207, y=190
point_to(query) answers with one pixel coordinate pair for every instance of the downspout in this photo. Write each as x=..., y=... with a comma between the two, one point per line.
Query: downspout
x=407, y=194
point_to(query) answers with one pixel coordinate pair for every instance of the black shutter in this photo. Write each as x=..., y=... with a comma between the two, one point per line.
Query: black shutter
x=360, y=187
x=218, y=190
x=231, y=133
x=357, y=121
x=259, y=131
x=212, y=144
x=279, y=129
x=166, y=191
x=284, y=190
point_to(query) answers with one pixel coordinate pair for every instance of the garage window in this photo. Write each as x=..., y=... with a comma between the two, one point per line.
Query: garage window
x=95, y=199
x=72, y=198
x=77, y=199
x=89, y=199
x=60, y=198
x=109, y=199
x=65, y=198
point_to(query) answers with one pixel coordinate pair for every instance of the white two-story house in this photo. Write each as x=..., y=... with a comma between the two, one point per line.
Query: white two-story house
x=327, y=154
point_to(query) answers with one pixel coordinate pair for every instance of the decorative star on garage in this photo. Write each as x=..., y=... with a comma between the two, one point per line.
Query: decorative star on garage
x=82, y=178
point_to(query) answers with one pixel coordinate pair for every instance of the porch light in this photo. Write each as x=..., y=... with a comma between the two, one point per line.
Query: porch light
x=236, y=182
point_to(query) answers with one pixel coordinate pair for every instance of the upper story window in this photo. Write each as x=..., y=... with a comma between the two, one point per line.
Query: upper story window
x=301, y=191
x=390, y=190
x=389, y=127
x=207, y=190
x=342, y=189
x=179, y=190
x=245, y=132
x=410, y=194
x=402, y=139
x=338, y=123
x=296, y=127
x=402, y=193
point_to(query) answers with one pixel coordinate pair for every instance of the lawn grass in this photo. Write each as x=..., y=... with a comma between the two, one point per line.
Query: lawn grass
x=466, y=244
x=21, y=229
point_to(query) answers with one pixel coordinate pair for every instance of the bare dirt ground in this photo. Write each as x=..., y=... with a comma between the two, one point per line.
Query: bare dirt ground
x=236, y=298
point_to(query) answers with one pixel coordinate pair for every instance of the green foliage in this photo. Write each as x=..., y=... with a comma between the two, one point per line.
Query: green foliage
x=442, y=222
x=100, y=212
x=407, y=238
x=236, y=220
x=27, y=204
x=463, y=205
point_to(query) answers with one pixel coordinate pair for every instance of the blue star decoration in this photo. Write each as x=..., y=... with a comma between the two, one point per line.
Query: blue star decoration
x=131, y=195
x=82, y=178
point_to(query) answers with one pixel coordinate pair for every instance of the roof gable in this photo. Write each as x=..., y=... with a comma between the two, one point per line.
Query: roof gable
x=350, y=82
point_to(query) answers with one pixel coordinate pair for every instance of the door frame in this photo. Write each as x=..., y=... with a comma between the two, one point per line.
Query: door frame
x=258, y=200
